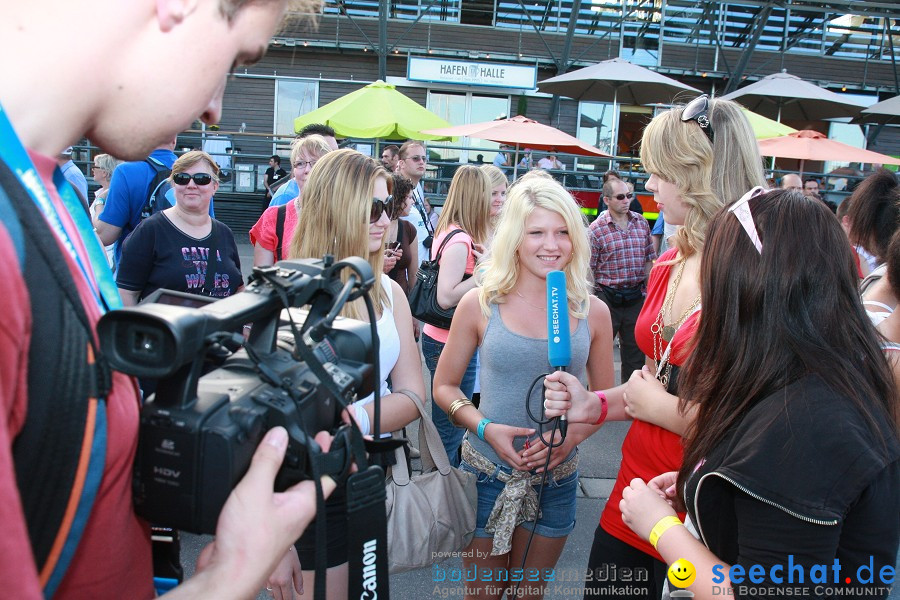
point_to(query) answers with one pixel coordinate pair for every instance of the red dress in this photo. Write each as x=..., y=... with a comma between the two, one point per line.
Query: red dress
x=649, y=450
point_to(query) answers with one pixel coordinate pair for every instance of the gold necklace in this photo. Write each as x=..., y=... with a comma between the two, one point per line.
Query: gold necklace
x=544, y=308
x=662, y=332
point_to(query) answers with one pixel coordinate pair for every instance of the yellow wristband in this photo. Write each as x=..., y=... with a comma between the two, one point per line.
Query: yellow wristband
x=662, y=526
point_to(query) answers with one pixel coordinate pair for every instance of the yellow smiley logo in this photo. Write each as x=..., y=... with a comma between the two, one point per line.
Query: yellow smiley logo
x=682, y=573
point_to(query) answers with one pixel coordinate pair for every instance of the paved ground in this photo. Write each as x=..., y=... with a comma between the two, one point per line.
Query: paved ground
x=599, y=462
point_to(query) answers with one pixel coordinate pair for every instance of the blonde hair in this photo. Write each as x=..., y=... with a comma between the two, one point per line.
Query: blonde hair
x=107, y=163
x=314, y=146
x=496, y=176
x=500, y=271
x=468, y=204
x=337, y=202
x=189, y=159
x=708, y=175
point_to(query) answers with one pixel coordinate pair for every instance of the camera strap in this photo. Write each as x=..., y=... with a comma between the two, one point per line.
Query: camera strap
x=367, y=535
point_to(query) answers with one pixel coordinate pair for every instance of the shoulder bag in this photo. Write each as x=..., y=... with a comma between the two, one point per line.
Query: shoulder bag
x=423, y=297
x=430, y=516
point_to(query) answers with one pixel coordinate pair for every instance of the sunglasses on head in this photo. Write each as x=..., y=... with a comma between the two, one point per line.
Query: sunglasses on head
x=379, y=207
x=697, y=110
x=185, y=178
x=629, y=195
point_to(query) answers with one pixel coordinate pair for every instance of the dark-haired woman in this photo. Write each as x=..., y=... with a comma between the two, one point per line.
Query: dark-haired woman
x=401, y=255
x=793, y=457
x=874, y=214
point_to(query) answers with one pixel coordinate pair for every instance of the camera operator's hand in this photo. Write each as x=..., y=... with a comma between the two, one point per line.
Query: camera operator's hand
x=256, y=526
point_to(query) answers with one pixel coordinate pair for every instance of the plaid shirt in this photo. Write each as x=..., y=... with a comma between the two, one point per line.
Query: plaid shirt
x=618, y=257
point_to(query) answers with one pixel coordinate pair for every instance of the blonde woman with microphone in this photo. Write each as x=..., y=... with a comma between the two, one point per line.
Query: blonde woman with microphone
x=505, y=319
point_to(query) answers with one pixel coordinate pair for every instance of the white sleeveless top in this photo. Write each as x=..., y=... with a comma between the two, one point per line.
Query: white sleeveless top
x=388, y=340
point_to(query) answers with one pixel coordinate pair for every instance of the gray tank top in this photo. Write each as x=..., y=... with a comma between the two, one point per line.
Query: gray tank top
x=509, y=363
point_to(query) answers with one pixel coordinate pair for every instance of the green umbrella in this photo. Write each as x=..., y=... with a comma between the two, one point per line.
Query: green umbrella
x=376, y=111
x=764, y=127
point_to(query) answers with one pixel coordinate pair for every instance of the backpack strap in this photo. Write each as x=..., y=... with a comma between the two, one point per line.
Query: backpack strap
x=159, y=179
x=281, y=215
x=60, y=452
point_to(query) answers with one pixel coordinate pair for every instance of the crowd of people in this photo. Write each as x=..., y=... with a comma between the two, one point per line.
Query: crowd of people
x=760, y=363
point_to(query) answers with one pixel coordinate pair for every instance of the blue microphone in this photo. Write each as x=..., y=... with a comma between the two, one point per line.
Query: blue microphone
x=559, y=346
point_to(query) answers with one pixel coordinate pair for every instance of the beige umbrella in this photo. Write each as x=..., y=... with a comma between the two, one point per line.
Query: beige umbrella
x=887, y=111
x=617, y=81
x=784, y=96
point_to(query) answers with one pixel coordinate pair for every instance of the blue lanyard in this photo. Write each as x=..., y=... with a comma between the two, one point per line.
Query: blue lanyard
x=14, y=154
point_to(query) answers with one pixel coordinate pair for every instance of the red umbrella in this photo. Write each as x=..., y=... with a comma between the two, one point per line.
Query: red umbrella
x=812, y=145
x=520, y=131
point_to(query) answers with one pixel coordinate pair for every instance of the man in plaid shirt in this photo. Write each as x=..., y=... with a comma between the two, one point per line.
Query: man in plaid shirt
x=621, y=257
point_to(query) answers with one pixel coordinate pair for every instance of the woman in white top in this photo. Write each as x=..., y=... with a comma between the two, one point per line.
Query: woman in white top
x=346, y=213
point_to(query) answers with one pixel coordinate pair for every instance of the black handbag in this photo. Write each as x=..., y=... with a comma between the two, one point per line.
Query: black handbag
x=423, y=297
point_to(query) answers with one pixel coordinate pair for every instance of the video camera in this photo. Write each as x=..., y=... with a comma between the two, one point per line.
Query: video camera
x=199, y=431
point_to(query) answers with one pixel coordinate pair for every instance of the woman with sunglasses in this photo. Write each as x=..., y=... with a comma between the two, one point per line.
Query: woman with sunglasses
x=102, y=171
x=182, y=248
x=700, y=157
x=505, y=320
x=346, y=213
x=272, y=234
x=467, y=212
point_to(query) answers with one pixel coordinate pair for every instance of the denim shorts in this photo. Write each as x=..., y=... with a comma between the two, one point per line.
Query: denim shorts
x=557, y=504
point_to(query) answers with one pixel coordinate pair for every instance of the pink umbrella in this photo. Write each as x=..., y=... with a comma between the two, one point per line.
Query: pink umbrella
x=812, y=145
x=520, y=131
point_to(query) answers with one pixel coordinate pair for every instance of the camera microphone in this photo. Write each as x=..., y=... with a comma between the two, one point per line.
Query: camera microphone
x=559, y=347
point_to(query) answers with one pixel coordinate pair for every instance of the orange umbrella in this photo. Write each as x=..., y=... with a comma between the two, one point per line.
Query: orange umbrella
x=522, y=132
x=812, y=145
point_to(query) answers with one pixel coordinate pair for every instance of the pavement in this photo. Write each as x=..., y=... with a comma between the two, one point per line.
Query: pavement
x=599, y=459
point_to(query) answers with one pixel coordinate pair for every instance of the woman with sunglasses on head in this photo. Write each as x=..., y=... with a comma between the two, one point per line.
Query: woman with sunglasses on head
x=462, y=230
x=346, y=213
x=793, y=455
x=505, y=319
x=173, y=249
x=700, y=157
x=272, y=234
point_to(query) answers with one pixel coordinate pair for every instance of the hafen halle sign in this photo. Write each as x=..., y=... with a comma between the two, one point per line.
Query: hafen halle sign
x=469, y=72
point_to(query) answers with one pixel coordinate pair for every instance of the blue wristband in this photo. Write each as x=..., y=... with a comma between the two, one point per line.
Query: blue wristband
x=481, y=425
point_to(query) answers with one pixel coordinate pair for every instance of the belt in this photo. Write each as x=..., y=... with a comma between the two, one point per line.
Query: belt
x=517, y=501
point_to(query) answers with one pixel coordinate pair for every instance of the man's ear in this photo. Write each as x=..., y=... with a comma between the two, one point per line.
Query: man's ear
x=170, y=13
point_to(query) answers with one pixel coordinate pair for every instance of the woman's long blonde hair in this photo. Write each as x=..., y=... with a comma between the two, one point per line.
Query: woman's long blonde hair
x=337, y=201
x=468, y=204
x=499, y=273
x=708, y=175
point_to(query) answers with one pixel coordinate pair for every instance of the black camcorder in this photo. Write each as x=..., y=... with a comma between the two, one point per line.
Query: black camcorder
x=200, y=428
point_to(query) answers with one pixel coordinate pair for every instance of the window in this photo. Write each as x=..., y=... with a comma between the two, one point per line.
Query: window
x=293, y=98
x=463, y=108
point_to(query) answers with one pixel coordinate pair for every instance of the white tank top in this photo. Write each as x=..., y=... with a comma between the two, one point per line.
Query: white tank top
x=388, y=340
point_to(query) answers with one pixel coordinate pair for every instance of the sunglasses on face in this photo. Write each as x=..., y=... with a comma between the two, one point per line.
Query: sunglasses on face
x=697, y=110
x=629, y=195
x=379, y=207
x=200, y=179
x=417, y=158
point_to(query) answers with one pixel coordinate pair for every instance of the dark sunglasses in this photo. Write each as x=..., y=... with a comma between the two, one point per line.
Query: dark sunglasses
x=199, y=178
x=379, y=207
x=629, y=195
x=697, y=110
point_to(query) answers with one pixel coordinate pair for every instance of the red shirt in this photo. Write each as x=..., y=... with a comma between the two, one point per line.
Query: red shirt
x=649, y=450
x=113, y=558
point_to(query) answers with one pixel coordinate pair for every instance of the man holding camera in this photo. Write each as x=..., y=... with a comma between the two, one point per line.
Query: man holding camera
x=621, y=258
x=68, y=424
